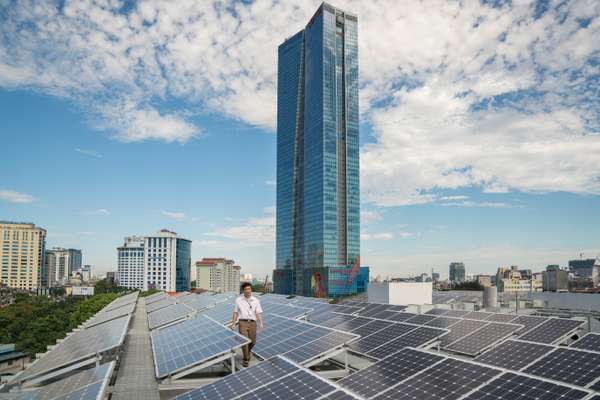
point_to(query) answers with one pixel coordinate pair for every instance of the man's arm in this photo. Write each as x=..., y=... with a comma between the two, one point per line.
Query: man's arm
x=261, y=326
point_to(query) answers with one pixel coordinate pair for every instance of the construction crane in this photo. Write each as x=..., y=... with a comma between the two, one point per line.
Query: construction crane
x=265, y=284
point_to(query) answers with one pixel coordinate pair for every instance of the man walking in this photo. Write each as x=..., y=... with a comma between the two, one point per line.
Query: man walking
x=247, y=313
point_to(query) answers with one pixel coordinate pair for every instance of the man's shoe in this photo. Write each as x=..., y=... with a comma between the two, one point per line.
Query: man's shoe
x=245, y=364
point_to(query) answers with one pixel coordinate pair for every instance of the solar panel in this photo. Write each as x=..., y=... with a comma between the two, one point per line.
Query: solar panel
x=591, y=341
x=596, y=397
x=551, y=331
x=501, y=318
x=456, y=313
x=528, y=321
x=421, y=319
x=242, y=382
x=282, y=344
x=275, y=378
x=443, y=322
x=121, y=301
x=155, y=297
x=168, y=314
x=319, y=346
x=371, y=327
x=221, y=312
x=385, y=314
x=401, y=316
x=511, y=386
x=415, y=338
x=105, y=316
x=336, y=319
x=352, y=323
x=483, y=338
x=88, y=384
x=576, y=367
x=396, y=307
x=390, y=370
x=514, y=354
x=346, y=309
x=478, y=315
x=80, y=345
x=596, y=386
x=301, y=385
x=437, y=311
x=461, y=329
x=386, y=335
x=157, y=305
x=191, y=342
x=371, y=309
x=448, y=380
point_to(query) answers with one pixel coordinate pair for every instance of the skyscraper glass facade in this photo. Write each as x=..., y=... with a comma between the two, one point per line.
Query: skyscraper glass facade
x=318, y=203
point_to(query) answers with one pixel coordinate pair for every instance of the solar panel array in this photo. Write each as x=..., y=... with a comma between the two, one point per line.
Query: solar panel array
x=168, y=315
x=576, y=367
x=162, y=303
x=552, y=330
x=88, y=384
x=80, y=345
x=591, y=341
x=121, y=301
x=190, y=342
x=105, y=316
x=483, y=338
x=514, y=354
x=275, y=378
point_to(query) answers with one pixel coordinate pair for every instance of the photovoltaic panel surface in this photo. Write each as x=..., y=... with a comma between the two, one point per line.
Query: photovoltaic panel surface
x=478, y=315
x=501, y=318
x=157, y=305
x=483, y=338
x=168, y=314
x=281, y=345
x=416, y=338
x=300, y=385
x=528, y=321
x=121, y=301
x=155, y=297
x=510, y=386
x=514, y=354
x=456, y=313
x=88, y=384
x=591, y=341
x=242, y=382
x=104, y=316
x=576, y=367
x=461, y=329
x=401, y=316
x=383, y=336
x=191, y=342
x=80, y=345
x=421, y=319
x=552, y=330
x=319, y=346
x=437, y=311
x=352, y=323
x=443, y=322
x=371, y=327
x=385, y=314
x=390, y=370
x=448, y=380
x=221, y=312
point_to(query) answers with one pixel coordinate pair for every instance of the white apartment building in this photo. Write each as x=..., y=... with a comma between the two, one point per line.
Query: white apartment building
x=60, y=265
x=167, y=261
x=22, y=247
x=130, y=266
x=218, y=275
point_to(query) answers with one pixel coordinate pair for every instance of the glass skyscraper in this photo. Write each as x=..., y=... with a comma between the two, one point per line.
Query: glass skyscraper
x=318, y=204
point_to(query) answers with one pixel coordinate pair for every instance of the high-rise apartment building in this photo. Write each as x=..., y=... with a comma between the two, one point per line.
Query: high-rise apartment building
x=130, y=262
x=457, y=272
x=167, y=262
x=60, y=264
x=22, y=249
x=318, y=204
x=218, y=275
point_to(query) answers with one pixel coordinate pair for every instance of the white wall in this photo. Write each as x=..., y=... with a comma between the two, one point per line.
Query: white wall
x=400, y=293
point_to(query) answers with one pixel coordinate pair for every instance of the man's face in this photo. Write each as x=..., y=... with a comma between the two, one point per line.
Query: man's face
x=248, y=291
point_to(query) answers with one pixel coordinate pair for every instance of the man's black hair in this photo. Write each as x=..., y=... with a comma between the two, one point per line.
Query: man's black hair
x=246, y=284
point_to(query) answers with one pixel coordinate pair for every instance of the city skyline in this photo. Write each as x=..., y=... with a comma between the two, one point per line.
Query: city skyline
x=481, y=146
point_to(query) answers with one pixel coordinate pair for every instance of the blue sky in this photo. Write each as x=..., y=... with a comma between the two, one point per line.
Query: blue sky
x=481, y=146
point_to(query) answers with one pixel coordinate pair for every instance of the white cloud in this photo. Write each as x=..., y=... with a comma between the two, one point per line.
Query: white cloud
x=458, y=94
x=481, y=204
x=369, y=216
x=271, y=182
x=255, y=231
x=173, y=214
x=87, y=152
x=100, y=211
x=15, y=197
x=377, y=236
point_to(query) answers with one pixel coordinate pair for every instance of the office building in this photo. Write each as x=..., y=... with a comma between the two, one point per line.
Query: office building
x=555, y=279
x=318, y=205
x=457, y=272
x=60, y=265
x=130, y=262
x=519, y=285
x=167, y=262
x=218, y=275
x=484, y=280
x=22, y=249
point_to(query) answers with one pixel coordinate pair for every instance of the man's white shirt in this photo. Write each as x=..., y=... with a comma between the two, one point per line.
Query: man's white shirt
x=247, y=308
